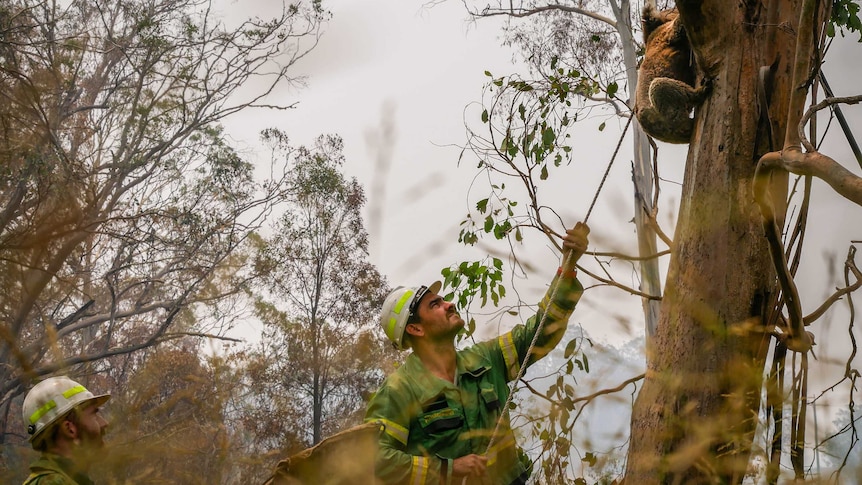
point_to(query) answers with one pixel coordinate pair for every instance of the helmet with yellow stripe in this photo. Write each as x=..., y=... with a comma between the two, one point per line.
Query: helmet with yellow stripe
x=398, y=306
x=50, y=400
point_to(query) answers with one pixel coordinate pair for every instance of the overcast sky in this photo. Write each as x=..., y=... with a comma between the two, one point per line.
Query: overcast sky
x=420, y=69
x=416, y=68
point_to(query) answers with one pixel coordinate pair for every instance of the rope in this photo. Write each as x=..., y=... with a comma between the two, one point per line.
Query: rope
x=608, y=170
x=523, y=367
x=556, y=287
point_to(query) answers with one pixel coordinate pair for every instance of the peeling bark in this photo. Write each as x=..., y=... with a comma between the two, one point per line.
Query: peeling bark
x=694, y=419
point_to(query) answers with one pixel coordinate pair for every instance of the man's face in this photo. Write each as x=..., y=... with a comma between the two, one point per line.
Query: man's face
x=91, y=427
x=439, y=318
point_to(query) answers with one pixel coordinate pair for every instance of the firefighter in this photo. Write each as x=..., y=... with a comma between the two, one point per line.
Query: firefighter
x=64, y=424
x=439, y=411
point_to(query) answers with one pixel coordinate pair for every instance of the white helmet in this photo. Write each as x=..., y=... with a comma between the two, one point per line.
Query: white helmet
x=397, y=308
x=52, y=399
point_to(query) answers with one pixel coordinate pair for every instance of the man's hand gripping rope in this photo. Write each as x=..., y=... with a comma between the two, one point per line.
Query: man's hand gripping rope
x=575, y=244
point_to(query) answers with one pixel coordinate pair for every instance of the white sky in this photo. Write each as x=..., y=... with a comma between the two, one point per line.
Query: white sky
x=423, y=66
x=419, y=68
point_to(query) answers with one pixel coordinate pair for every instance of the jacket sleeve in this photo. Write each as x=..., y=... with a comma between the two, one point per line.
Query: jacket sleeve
x=556, y=312
x=391, y=410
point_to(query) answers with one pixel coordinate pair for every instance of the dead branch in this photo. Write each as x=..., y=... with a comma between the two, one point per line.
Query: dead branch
x=842, y=120
x=817, y=165
x=776, y=252
x=849, y=264
x=825, y=103
x=628, y=257
x=793, y=160
x=526, y=12
x=613, y=283
x=589, y=397
x=610, y=390
x=652, y=221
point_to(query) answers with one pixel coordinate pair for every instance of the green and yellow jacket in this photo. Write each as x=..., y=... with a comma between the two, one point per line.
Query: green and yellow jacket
x=427, y=422
x=52, y=469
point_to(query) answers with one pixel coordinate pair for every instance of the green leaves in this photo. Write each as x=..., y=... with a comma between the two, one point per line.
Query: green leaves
x=469, y=280
x=509, y=146
x=474, y=279
x=496, y=220
x=482, y=205
x=528, y=122
x=845, y=15
x=548, y=137
x=570, y=348
x=522, y=86
x=565, y=409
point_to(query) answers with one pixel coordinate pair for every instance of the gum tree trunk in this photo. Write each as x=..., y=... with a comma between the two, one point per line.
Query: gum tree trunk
x=694, y=419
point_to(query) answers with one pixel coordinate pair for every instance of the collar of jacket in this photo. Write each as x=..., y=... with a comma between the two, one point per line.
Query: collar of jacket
x=57, y=464
x=467, y=363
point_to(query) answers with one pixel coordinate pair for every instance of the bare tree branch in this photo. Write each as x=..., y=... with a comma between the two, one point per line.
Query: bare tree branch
x=526, y=12
x=849, y=264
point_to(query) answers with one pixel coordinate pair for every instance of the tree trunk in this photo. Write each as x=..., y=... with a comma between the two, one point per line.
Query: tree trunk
x=316, y=385
x=694, y=419
x=642, y=177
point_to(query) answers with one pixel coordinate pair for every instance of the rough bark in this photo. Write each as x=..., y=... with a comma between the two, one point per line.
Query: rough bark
x=694, y=419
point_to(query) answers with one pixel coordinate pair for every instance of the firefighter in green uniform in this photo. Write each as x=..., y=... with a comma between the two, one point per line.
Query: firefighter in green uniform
x=64, y=424
x=439, y=410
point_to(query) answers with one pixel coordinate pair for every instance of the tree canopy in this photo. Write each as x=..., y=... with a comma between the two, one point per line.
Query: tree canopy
x=124, y=209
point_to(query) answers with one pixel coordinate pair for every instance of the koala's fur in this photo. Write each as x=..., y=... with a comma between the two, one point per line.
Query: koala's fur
x=665, y=94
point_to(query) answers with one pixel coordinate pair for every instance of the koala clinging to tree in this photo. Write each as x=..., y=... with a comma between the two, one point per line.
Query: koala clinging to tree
x=665, y=94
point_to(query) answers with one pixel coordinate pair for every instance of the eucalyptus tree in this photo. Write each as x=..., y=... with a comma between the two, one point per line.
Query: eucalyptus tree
x=730, y=313
x=320, y=297
x=169, y=423
x=730, y=293
x=123, y=208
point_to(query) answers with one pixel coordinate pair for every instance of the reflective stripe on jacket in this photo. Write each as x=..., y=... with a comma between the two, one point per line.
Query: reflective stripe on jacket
x=428, y=422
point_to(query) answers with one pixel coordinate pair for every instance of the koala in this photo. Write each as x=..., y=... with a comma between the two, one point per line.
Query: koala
x=665, y=92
